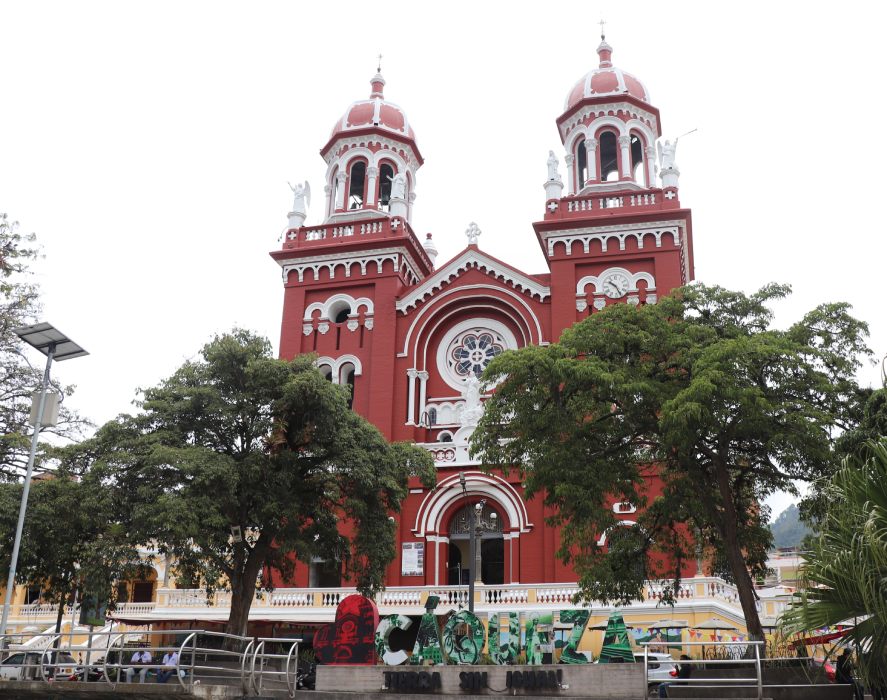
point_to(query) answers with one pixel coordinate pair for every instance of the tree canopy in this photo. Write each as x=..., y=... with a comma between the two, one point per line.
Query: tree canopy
x=239, y=439
x=698, y=389
x=19, y=306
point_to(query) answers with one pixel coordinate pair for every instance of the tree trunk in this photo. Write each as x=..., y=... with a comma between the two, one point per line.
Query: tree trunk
x=243, y=590
x=733, y=550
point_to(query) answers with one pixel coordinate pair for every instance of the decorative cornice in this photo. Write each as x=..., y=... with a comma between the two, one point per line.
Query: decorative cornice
x=603, y=110
x=604, y=233
x=400, y=256
x=472, y=258
x=367, y=140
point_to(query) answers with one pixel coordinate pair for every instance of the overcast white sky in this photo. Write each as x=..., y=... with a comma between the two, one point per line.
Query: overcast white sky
x=149, y=146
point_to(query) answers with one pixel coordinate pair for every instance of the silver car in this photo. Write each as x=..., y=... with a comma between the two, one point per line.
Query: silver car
x=659, y=666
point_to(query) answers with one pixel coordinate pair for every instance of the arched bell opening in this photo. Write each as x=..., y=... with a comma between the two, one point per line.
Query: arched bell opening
x=581, y=157
x=608, y=149
x=357, y=185
x=638, y=167
x=386, y=178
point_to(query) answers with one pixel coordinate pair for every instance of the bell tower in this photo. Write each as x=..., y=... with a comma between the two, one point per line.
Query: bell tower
x=619, y=233
x=342, y=276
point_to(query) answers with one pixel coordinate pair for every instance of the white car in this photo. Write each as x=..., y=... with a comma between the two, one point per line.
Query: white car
x=659, y=666
x=25, y=666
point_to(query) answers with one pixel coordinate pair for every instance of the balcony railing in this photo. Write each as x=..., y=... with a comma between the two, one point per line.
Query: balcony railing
x=578, y=206
x=320, y=603
x=350, y=232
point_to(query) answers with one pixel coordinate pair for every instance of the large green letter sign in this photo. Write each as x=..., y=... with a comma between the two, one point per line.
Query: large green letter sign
x=570, y=653
x=383, y=631
x=504, y=652
x=463, y=638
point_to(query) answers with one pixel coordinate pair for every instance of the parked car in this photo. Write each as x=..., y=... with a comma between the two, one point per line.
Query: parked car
x=25, y=666
x=660, y=668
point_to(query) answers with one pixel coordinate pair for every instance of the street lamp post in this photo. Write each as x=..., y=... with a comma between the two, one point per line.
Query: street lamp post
x=56, y=346
x=476, y=526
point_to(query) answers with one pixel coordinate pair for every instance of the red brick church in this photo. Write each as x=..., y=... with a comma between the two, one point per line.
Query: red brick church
x=411, y=334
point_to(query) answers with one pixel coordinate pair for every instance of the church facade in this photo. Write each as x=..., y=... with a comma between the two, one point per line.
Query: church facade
x=411, y=334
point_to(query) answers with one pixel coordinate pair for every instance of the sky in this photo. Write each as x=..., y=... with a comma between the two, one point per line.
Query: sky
x=149, y=145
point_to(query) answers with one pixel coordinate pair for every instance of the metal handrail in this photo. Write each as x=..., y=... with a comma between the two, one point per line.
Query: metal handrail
x=256, y=687
x=244, y=684
x=721, y=682
x=189, y=638
x=258, y=666
x=291, y=682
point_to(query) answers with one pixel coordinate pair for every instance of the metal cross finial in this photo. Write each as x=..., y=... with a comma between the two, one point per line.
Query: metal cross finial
x=379, y=66
x=602, y=23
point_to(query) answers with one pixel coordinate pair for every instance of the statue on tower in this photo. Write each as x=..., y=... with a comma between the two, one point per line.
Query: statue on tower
x=666, y=154
x=399, y=186
x=301, y=197
x=553, y=173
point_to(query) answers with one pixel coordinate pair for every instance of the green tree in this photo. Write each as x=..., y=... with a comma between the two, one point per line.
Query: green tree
x=239, y=439
x=697, y=389
x=70, y=540
x=845, y=577
x=19, y=306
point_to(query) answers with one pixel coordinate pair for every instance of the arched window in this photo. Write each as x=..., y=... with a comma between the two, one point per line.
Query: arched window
x=334, y=190
x=432, y=416
x=609, y=153
x=637, y=160
x=581, y=164
x=628, y=545
x=346, y=377
x=386, y=175
x=356, y=186
x=327, y=372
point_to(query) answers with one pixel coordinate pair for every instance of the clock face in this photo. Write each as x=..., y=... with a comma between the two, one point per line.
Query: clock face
x=615, y=285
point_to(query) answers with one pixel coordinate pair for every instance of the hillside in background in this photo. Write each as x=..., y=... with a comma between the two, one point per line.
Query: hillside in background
x=788, y=529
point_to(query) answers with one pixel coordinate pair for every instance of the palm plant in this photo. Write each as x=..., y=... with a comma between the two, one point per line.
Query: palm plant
x=845, y=575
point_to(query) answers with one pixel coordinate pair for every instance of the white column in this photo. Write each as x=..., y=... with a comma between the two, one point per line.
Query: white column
x=373, y=175
x=341, y=194
x=328, y=191
x=411, y=402
x=625, y=145
x=571, y=176
x=650, y=152
x=423, y=379
x=591, y=160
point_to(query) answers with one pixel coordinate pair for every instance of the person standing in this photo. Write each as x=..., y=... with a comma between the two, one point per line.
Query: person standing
x=844, y=674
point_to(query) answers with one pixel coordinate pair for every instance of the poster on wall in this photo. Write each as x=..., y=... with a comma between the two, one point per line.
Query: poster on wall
x=412, y=559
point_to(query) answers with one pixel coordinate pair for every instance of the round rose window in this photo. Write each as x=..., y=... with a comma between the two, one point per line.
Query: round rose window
x=472, y=351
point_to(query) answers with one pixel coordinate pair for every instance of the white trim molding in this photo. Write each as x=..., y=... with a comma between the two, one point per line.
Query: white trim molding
x=633, y=279
x=469, y=259
x=429, y=518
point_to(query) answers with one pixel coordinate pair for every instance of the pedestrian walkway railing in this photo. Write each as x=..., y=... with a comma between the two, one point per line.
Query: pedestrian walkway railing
x=187, y=657
x=749, y=655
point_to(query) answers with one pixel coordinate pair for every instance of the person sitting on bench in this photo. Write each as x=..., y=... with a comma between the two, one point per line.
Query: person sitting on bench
x=168, y=669
x=141, y=657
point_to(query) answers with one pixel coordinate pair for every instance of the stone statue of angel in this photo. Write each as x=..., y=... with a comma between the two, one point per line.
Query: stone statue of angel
x=666, y=153
x=399, y=186
x=301, y=197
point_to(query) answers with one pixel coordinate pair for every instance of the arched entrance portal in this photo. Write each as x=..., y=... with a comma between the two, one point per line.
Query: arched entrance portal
x=490, y=553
